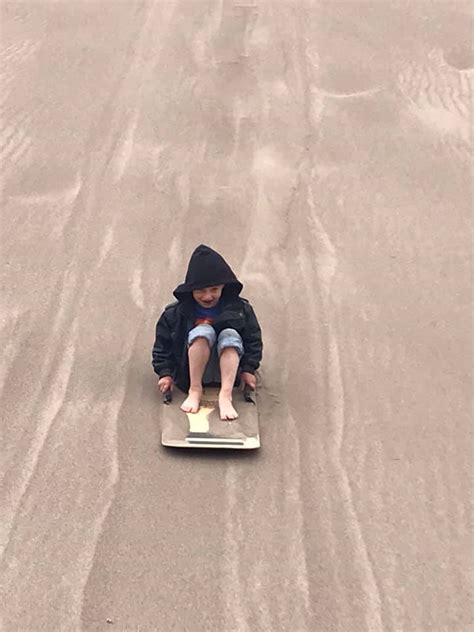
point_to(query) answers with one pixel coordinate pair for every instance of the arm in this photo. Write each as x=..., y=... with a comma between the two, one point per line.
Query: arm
x=253, y=345
x=162, y=357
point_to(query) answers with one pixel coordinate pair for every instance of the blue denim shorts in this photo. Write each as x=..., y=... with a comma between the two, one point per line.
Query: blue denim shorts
x=227, y=338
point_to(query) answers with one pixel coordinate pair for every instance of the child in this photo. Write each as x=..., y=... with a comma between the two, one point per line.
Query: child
x=209, y=335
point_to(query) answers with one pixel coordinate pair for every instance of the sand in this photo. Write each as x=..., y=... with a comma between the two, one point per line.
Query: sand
x=324, y=149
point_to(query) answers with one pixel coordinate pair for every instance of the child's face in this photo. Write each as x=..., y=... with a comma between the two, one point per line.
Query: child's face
x=208, y=296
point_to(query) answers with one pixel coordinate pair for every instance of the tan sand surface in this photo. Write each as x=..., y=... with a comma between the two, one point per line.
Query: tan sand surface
x=324, y=148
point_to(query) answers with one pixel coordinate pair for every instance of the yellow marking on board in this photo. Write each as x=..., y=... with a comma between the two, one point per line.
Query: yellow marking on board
x=199, y=422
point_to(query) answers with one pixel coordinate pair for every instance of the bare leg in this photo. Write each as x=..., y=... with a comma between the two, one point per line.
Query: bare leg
x=229, y=363
x=198, y=354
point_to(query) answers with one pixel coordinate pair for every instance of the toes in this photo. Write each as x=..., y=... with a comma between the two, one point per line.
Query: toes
x=229, y=416
x=190, y=408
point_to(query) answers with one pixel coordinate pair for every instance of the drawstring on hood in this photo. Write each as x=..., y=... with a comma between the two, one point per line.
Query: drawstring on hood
x=207, y=268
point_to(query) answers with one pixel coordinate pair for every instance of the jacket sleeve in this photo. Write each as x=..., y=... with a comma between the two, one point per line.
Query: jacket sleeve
x=162, y=356
x=253, y=345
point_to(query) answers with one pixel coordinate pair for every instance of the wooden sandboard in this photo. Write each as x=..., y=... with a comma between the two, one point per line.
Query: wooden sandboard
x=205, y=429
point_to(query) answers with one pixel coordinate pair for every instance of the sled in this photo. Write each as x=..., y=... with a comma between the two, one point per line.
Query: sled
x=205, y=429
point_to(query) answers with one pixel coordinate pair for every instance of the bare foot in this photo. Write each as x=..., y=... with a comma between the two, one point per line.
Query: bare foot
x=226, y=409
x=192, y=401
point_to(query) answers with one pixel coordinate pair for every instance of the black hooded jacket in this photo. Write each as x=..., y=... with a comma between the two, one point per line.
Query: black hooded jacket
x=206, y=268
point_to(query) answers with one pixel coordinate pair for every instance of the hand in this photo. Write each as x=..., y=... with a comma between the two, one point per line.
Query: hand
x=165, y=383
x=248, y=378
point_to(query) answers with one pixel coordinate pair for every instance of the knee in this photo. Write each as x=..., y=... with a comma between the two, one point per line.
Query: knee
x=230, y=338
x=200, y=332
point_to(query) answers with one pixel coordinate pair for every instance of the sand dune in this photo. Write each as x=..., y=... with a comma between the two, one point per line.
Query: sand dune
x=324, y=149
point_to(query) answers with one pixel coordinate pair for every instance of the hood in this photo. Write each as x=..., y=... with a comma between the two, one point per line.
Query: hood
x=207, y=267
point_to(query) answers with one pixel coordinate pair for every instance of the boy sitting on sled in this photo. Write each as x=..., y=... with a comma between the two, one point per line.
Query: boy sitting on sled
x=210, y=335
